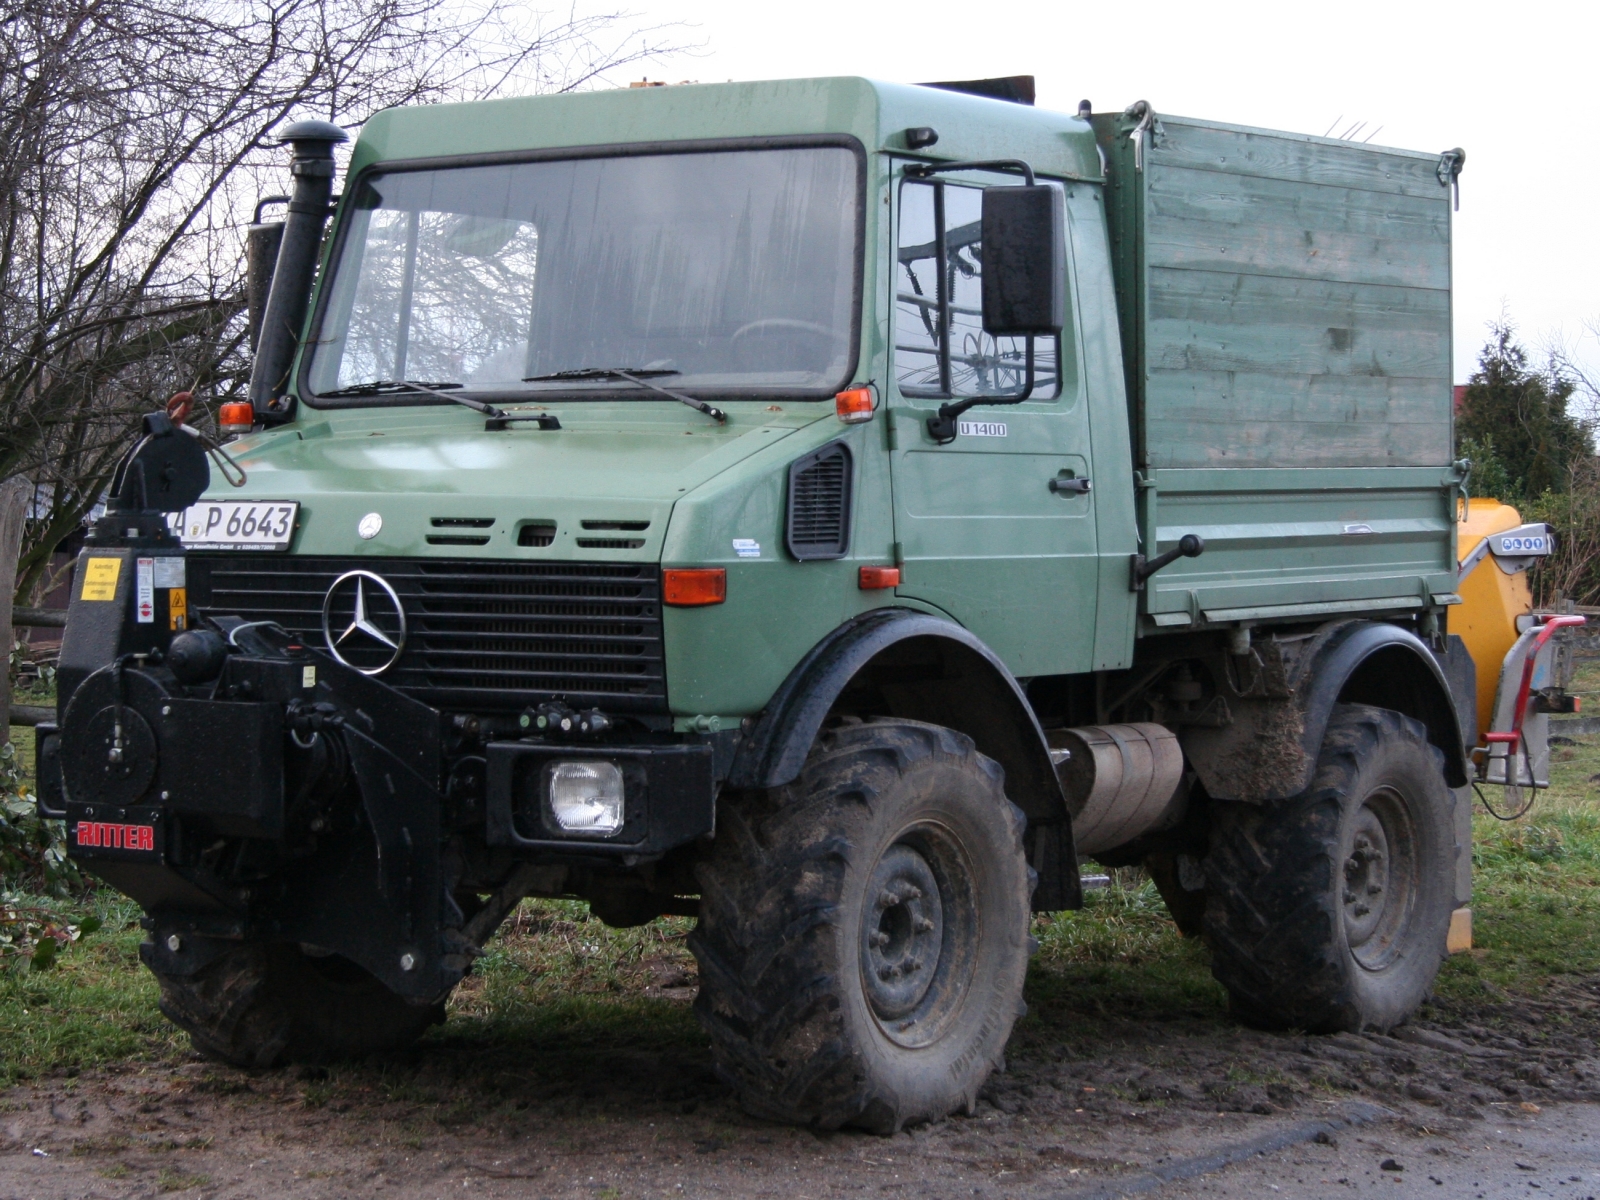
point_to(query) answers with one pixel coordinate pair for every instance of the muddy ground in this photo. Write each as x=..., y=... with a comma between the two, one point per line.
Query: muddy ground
x=1094, y=1098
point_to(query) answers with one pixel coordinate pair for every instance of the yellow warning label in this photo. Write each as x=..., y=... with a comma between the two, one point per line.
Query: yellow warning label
x=178, y=608
x=100, y=579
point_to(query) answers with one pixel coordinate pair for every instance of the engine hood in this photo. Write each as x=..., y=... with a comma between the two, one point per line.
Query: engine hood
x=606, y=480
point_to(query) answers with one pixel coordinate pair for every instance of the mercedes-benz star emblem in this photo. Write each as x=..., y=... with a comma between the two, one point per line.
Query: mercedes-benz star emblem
x=371, y=619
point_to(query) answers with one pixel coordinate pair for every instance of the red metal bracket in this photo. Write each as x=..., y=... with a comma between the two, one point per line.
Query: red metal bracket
x=1551, y=623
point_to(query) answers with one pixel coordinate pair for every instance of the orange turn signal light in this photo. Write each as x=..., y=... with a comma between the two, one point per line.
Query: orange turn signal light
x=236, y=417
x=854, y=405
x=879, y=577
x=691, y=587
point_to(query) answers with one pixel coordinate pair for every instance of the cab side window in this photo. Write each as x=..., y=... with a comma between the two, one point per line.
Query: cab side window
x=941, y=350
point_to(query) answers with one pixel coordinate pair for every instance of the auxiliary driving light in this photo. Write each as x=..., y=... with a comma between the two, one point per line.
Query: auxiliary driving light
x=585, y=797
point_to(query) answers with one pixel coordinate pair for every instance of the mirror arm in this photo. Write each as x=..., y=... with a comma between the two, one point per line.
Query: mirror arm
x=923, y=170
x=943, y=425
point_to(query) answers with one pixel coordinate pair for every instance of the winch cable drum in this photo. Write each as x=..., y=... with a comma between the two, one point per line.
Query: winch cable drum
x=1121, y=781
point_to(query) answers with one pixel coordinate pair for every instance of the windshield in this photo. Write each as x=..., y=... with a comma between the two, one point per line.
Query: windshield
x=721, y=271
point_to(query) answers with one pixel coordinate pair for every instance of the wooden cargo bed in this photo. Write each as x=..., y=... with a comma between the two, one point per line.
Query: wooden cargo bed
x=1285, y=306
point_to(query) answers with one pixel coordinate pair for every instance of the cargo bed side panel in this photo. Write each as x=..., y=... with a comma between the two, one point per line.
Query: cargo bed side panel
x=1286, y=310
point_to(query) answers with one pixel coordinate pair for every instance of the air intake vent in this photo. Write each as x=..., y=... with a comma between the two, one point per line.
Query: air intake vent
x=819, y=504
x=458, y=539
x=610, y=543
x=462, y=522
x=536, y=533
x=626, y=526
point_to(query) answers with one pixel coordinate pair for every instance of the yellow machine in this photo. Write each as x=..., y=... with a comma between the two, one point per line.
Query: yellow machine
x=1520, y=662
x=1522, y=658
x=1492, y=601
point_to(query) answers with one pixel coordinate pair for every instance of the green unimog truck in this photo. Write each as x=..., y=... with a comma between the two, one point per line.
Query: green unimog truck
x=826, y=508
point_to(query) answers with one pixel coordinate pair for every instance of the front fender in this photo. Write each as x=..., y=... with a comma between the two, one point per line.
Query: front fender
x=901, y=663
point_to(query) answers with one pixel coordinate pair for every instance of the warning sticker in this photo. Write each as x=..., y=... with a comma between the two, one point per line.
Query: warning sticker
x=144, y=576
x=100, y=579
x=177, y=607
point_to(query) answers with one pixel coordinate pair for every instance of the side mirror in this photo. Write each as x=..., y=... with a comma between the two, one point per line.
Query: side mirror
x=262, y=242
x=1024, y=261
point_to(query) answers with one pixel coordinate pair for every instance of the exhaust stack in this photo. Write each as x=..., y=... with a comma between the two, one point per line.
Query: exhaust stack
x=285, y=315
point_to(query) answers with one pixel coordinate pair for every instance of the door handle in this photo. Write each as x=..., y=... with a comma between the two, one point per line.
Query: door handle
x=1070, y=485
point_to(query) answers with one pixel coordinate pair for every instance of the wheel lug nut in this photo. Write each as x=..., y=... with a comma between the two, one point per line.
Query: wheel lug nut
x=923, y=924
x=887, y=899
x=885, y=973
x=913, y=894
x=880, y=938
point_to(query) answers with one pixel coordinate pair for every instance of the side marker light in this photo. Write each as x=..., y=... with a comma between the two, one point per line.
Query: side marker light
x=692, y=587
x=872, y=578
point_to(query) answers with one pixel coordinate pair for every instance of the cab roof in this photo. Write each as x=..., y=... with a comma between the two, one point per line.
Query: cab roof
x=874, y=113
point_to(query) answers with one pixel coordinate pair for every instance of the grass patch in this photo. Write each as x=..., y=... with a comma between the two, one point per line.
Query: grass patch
x=1120, y=957
x=97, y=1005
x=22, y=742
x=179, y=1181
x=556, y=973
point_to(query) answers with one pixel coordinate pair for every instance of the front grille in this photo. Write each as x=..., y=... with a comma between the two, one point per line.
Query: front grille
x=482, y=636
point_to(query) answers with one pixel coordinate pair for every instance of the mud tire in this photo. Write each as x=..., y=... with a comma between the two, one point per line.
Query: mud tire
x=809, y=1021
x=1294, y=936
x=263, y=1005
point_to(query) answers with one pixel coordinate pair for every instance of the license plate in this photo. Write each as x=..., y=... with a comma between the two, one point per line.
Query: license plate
x=239, y=525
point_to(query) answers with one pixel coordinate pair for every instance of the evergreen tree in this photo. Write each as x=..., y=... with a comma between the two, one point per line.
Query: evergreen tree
x=1522, y=414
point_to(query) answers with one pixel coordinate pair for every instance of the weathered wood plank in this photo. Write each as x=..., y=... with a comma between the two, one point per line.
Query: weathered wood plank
x=1251, y=419
x=1211, y=321
x=1296, y=253
x=1293, y=157
x=1186, y=194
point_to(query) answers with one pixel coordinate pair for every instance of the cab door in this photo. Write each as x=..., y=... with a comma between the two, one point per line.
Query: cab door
x=997, y=527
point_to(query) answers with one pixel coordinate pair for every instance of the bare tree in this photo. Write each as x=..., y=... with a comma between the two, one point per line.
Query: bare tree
x=136, y=135
x=1568, y=361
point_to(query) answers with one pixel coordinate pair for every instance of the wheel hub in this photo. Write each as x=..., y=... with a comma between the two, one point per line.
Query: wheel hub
x=902, y=932
x=1376, y=889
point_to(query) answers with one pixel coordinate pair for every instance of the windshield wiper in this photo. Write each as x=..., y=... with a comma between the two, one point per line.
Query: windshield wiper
x=378, y=387
x=603, y=373
x=637, y=375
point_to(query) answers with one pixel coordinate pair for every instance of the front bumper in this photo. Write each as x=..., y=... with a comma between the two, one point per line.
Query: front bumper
x=327, y=810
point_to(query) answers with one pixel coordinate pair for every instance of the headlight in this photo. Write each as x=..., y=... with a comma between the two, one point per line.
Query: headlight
x=585, y=797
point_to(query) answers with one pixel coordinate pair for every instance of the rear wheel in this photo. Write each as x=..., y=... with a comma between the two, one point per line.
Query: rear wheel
x=863, y=934
x=261, y=1005
x=1330, y=911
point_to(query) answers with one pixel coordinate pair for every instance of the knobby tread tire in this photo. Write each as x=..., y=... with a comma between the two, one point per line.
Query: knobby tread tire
x=1275, y=883
x=780, y=992
x=263, y=1005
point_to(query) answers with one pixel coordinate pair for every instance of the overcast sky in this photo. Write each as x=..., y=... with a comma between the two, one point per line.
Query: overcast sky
x=1516, y=85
